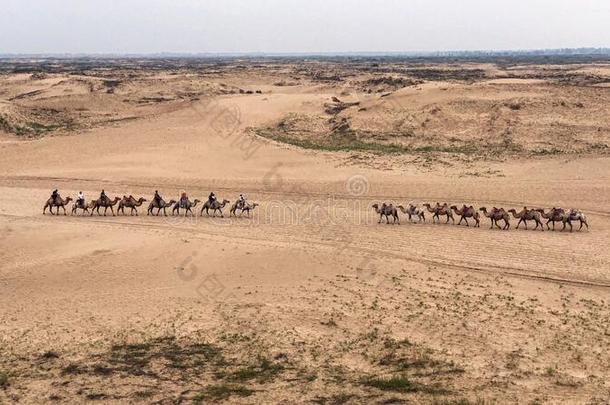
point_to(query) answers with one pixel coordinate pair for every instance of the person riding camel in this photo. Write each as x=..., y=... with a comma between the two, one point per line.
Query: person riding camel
x=211, y=198
x=103, y=197
x=241, y=202
x=157, y=198
x=183, y=200
x=54, y=196
x=80, y=199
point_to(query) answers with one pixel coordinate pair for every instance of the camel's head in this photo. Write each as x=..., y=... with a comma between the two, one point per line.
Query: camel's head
x=195, y=201
x=171, y=202
x=225, y=201
x=512, y=210
x=254, y=205
x=483, y=209
x=454, y=207
x=427, y=205
x=142, y=199
x=375, y=206
x=68, y=199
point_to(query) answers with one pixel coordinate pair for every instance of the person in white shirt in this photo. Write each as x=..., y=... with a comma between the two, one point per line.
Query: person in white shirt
x=80, y=199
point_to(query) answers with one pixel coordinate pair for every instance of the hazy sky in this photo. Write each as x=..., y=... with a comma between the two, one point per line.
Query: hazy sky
x=148, y=26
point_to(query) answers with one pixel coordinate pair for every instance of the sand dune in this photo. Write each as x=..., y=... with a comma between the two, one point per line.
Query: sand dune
x=310, y=300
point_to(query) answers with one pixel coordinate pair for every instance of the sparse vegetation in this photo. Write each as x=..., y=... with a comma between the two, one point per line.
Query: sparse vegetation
x=221, y=392
x=4, y=380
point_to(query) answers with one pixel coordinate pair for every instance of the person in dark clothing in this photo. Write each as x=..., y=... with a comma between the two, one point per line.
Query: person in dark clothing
x=183, y=200
x=241, y=202
x=103, y=197
x=54, y=196
x=157, y=197
x=212, y=198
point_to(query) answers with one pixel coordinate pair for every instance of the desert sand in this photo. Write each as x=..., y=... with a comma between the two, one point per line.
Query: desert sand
x=309, y=300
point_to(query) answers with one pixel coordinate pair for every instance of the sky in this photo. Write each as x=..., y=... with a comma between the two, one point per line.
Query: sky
x=299, y=26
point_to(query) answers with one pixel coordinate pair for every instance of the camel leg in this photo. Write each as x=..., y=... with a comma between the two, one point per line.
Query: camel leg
x=64, y=208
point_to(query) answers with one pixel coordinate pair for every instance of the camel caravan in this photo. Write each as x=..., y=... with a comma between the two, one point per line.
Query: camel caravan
x=497, y=216
x=183, y=204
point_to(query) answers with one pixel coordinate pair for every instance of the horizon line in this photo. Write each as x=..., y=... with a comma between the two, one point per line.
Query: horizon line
x=543, y=51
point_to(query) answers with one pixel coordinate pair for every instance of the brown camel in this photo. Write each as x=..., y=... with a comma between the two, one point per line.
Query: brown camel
x=186, y=206
x=413, y=211
x=160, y=205
x=554, y=215
x=439, y=210
x=495, y=215
x=130, y=202
x=246, y=208
x=467, y=212
x=59, y=203
x=387, y=211
x=104, y=203
x=84, y=207
x=214, y=206
x=527, y=215
x=560, y=215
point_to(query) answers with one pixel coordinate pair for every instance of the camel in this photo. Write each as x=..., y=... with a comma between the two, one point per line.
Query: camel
x=130, y=202
x=467, y=212
x=161, y=205
x=440, y=210
x=59, y=203
x=84, y=207
x=105, y=203
x=214, y=206
x=527, y=215
x=387, y=211
x=187, y=207
x=560, y=215
x=412, y=210
x=575, y=215
x=495, y=215
x=246, y=208
x=554, y=215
